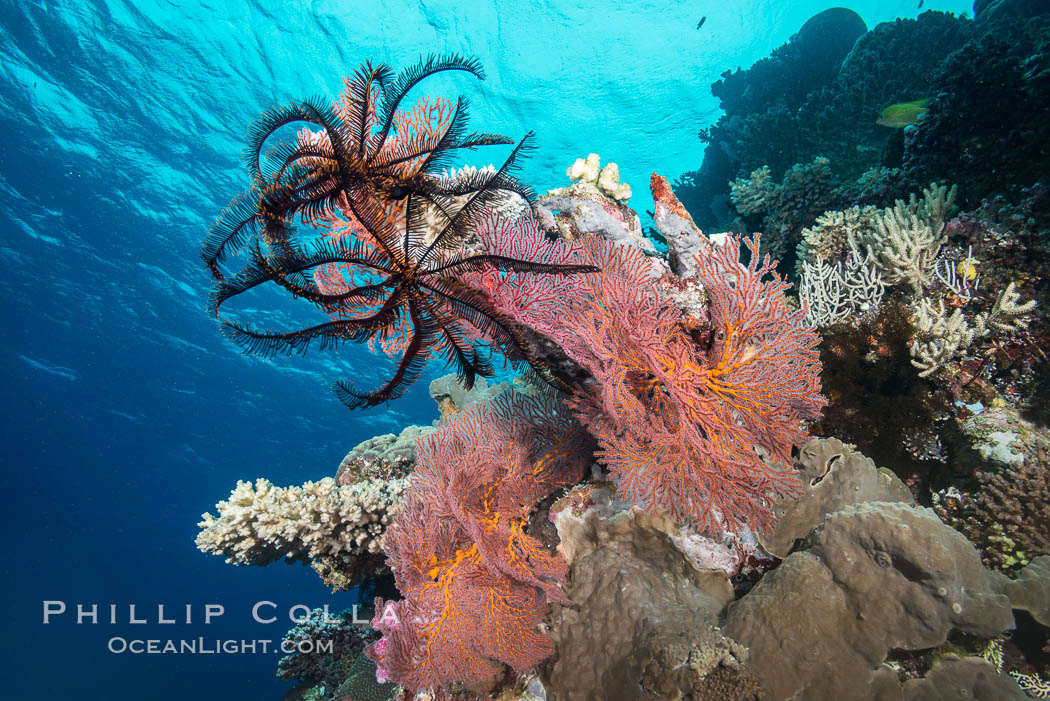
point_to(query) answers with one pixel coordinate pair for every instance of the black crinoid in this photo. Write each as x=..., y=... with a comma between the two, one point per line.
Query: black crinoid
x=352, y=160
x=355, y=220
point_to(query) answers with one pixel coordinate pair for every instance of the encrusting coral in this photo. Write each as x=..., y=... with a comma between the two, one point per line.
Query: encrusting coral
x=1006, y=513
x=336, y=528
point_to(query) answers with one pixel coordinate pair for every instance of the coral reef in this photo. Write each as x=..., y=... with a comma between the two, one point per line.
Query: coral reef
x=1030, y=591
x=386, y=270
x=1007, y=515
x=684, y=239
x=451, y=396
x=961, y=67
x=610, y=523
x=337, y=635
x=785, y=207
x=606, y=180
x=665, y=449
x=595, y=204
x=833, y=293
x=962, y=678
x=829, y=237
x=336, y=528
x=962, y=139
x=907, y=237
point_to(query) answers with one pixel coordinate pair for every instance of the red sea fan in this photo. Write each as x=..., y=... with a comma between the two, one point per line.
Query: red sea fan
x=473, y=578
x=679, y=418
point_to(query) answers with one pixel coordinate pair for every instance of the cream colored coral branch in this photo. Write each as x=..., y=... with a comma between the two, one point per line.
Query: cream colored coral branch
x=261, y=523
x=1007, y=314
x=907, y=238
x=940, y=338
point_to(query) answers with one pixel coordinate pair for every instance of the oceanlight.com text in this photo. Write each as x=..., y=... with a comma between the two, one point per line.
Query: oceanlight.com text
x=215, y=646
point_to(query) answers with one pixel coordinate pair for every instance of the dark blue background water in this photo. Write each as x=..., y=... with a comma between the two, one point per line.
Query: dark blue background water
x=125, y=413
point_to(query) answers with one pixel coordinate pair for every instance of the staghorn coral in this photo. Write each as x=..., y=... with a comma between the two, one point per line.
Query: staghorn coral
x=474, y=581
x=327, y=656
x=754, y=195
x=940, y=338
x=336, y=528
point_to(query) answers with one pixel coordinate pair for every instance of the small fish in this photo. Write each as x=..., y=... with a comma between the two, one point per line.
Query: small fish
x=902, y=114
x=920, y=4
x=701, y=22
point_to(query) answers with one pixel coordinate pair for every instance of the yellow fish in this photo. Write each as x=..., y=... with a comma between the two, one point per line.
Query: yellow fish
x=902, y=114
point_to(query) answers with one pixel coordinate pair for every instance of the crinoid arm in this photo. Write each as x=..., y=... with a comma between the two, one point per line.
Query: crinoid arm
x=468, y=358
x=312, y=111
x=394, y=93
x=484, y=189
x=289, y=271
x=238, y=224
x=424, y=336
x=329, y=335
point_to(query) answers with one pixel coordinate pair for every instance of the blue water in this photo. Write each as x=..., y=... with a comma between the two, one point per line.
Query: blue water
x=125, y=413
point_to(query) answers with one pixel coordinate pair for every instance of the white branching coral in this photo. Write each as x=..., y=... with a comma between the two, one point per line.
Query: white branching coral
x=908, y=237
x=319, y=522
x=829, y=237
x=841, y=291
x=939, y=338
x=1007, y=313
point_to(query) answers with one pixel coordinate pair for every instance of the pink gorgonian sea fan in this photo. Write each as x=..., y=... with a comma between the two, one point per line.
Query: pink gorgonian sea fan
x=475, y=582
x=696, y=419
